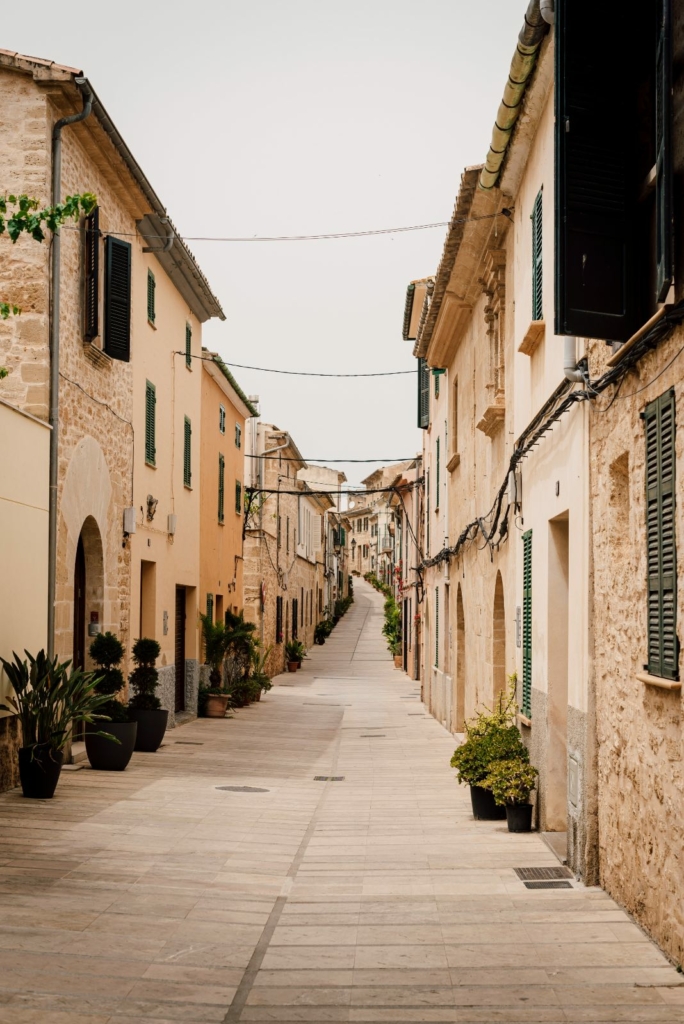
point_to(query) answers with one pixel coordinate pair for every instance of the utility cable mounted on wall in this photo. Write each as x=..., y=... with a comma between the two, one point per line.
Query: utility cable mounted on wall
x=298, y=373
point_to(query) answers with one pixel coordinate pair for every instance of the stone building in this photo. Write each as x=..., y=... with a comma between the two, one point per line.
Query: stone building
x=119, y=266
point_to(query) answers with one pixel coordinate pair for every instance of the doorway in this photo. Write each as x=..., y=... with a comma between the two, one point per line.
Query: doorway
x=555, y=802
x=79, y=606
x=179, y=704
x=498, y=641
x=458, y=702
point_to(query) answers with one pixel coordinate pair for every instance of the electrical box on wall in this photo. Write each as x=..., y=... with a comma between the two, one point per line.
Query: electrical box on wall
x=129, y=520
x=172, y=522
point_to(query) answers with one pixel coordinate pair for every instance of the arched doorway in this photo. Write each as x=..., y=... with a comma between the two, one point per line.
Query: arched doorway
x=498, y=640
x=458, y=702
x=88, y=589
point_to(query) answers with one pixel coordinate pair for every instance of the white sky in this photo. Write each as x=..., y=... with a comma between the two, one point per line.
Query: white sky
x=270, y=117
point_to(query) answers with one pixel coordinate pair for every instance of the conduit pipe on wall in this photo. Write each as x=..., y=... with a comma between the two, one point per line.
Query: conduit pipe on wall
x=570, y=360
x=522, y=65
x=548, y=11
x=54, y=355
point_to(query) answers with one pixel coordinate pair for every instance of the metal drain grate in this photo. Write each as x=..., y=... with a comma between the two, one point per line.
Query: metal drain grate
x=189, y=743
x=543, y=873
x=548, y=885
x=328, y=778
x=243, y=789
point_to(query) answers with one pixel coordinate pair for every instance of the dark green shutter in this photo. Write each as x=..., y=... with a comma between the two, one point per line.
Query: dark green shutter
x=238, y=436
x=221, y=488
x=295, y=618
x=238, y=497
x=187, y=452
x=527, y=626
x=117, y=340
x=663, y=86
x=210, y=607
x=92, y=275
x=222, y=419
x=279, y=620
x=436, y=627
x=150, y=424
x=151, y=285
x=437, y=473
x=423, y=393
x=596, y=295
x=188, y=345
x=537, y=266
x=663, y=646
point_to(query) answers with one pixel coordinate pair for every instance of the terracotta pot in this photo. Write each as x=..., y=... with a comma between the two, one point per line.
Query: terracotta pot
x=292, y=666
x=216, y=705
x=398, y=661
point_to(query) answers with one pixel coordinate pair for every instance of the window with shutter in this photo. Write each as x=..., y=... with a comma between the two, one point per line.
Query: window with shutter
x=221, y=488
x=188, y=346
x=222, y=419
x=210, y=607
x=295, y=617
x=436, y=627
x=537, y=267
x=238, y=497
x=151, y=285
x=526, y=706
x=150, y=424
x=279, y=621
x=238, y=436
x=423, y=393
x=117, y=326
x=92, y=275
x=437, y=455
x=663, y=646
x=187, y=452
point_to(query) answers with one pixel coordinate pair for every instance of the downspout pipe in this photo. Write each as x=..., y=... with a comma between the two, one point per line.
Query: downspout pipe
x=56, y=261
x=522, y=66
x=570, y=368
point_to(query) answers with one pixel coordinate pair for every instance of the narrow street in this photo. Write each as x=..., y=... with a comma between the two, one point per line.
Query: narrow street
x=367, y=895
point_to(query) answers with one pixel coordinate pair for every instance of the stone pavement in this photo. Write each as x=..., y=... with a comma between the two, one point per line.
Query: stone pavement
x=158, y=896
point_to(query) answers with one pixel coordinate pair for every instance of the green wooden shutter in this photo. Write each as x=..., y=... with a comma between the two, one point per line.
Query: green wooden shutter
x=279, y=621
x=663, y=646
x=437, y=473
x=436, y=627
x=423, y=393
x=238, y=497
x=151, y=285
x=663, y=86
x=238, y=436
x=221, y=487
x=188, y=346
x=527, y=626
x=537, y=266
x=92, y=275
x=222, y=419
x=150, y=424
x=210, y=607
x=187, y=452
x=117, y=339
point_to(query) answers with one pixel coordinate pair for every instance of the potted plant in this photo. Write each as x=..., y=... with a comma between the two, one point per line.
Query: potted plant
x=511, y=782
x=107, y=651
x=216, y=697
x=144, y=706
x=48, y=700
x=321, y=632
x=491, y=736
x=294, y=653
x=258, y=671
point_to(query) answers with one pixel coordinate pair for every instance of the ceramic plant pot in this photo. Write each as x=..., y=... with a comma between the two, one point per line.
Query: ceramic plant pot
x=151, y=728
x=216, y=705
x=519, y=817
x=292, y=666
x=105, y=755
x=39, y=769
x=398, y=661
x=484, y=808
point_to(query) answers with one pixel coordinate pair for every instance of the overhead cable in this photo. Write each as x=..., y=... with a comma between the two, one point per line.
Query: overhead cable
x=297, y=373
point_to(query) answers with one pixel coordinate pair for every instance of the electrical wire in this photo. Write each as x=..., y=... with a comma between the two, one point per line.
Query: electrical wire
x=291, y=458
x=298, y=373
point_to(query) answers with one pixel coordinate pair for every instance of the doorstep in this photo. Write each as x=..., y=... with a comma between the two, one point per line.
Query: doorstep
x=78, y=752
x=557, y=843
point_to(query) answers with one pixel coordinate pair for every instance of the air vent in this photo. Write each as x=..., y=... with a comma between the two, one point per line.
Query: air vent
x=543, y=873
x=243, y=789
x=547, y=885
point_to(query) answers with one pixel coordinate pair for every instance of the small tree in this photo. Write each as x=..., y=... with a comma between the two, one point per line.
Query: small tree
x=144, y=678
x=215, y=641
x=107, y=651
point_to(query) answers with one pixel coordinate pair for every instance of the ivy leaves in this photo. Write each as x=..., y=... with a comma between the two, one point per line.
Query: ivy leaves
x=21, y=214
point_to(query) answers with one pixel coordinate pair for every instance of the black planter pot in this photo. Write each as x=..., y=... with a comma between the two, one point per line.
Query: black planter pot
x=484, y=808
x=105, y=755
x=519, y=817
x=39, y=769
x=151, y=728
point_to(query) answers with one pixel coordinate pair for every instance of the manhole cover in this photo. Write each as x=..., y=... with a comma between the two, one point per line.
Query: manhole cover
x=543, y=873
x=547, y=885
x=328, y=778
x=243, y=789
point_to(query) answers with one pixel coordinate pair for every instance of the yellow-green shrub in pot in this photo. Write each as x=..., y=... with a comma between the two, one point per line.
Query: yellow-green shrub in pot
x=511, y=783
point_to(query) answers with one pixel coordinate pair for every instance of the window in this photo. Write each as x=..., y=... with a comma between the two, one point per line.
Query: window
x=187, y=452
x=151, y=285
x=295, y=618
x=221, y=487
x=91, y=260
x=526, y=706
x=117, y=312
x=279, y=621
x=188, y=346
x=301, y=606
x=365, y=525
x=427, y=510
x=222, y=419
x=663, y=646
x=454, y=418
x=238, y=497
x=614, y=235
x=537, y=275
x=437, y=454
x=436, y=376
x=423, y=394
x=287, y=534
x=238, y=438
x=150, y=424
x=210, y=607
x=436, y=627
x=279, y=531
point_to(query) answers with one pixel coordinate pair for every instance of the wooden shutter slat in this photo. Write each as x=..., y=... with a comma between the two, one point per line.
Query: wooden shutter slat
x=187, y=453
x=423, y=393
x=151, y=285
x=118, y=299
x=221, y=489
x=527, y=626
x=537, y=266
x=150, y=423
x=661, y=554
x=92, y=275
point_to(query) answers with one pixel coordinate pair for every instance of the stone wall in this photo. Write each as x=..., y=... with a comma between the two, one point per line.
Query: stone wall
x=10, y=741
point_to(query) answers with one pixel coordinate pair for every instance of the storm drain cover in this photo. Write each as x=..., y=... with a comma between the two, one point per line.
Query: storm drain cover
x=243, y=789
x=190, y=743
x=547, y=885
x=328, y=778
x=543, y=873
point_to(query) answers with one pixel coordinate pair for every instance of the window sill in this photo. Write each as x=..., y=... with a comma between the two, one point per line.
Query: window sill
x=533, y=337
x=524, y=720
x=453, y=462
x=659, y=681
x=97, y=356
x=637, y=336
x=152, y=324
x=188, y=487
x=493, y=420
x=152, y=465
x=221, y=522
x=188, y=366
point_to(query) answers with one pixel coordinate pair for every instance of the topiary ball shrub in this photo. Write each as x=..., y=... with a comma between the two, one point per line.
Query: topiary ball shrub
x=144, y=678
x=106, y=650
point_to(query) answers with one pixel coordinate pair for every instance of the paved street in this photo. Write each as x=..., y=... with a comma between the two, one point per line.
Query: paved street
x=156, y=895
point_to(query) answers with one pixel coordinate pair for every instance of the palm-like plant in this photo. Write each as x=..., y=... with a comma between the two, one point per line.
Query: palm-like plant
x=239, y=645
x=48, y=699
x=215, y=646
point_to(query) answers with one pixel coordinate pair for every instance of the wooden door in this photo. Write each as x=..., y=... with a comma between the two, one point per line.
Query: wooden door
x=180, y=649
x=79, y=640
